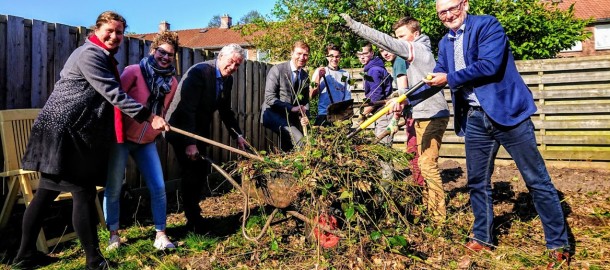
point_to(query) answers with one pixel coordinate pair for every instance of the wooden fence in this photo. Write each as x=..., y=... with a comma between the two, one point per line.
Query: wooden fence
x=573, y=118
x=573, y=95
x=32, y=54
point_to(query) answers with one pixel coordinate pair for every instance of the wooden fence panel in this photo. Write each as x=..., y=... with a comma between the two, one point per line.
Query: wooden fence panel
x=573, y=118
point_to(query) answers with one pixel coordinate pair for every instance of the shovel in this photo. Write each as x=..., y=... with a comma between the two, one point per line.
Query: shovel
x=384, y=110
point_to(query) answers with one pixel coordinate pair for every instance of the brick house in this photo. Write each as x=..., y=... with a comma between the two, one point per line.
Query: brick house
x=599, y=42
x=212, y=39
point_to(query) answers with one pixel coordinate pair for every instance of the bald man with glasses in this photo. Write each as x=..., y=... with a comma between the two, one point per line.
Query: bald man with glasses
x=492, y=107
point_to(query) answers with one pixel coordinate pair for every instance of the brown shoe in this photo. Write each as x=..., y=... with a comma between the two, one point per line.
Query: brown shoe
x=559, y=257
x=476, y=246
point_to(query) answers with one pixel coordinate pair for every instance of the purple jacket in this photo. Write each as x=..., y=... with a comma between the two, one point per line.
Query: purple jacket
x=381, y=85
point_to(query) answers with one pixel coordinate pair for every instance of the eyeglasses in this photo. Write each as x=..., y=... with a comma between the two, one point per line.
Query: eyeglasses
x=334, y=56
x=455, y=10
x=163, y=53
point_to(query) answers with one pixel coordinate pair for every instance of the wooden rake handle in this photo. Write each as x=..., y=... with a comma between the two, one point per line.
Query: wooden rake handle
x=215, y=143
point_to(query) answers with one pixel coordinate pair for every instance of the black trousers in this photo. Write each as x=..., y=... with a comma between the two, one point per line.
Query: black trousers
x=194, y=175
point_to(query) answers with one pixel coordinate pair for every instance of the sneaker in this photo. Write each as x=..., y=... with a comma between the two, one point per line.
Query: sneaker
x=162, y=243
x=114, y=242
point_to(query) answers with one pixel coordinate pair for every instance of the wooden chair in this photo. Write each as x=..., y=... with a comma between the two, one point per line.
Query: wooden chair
x=15, y=127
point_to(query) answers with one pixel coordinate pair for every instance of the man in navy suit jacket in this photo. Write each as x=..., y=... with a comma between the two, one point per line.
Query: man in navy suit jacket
x=492, y=107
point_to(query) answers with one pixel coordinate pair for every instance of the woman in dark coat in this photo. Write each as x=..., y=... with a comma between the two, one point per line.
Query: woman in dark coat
x=70, y=138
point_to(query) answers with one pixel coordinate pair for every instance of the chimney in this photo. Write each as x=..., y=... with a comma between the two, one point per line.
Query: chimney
x=225, y=21
x=163, y=26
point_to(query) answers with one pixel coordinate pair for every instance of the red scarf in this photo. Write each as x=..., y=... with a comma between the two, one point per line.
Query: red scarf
x=118, y=117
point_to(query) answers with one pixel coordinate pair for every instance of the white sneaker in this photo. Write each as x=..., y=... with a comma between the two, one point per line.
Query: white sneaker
x=162, y=243
x=114, y=242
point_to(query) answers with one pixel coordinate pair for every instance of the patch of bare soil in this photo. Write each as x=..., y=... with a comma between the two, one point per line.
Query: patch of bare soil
x=520, y=241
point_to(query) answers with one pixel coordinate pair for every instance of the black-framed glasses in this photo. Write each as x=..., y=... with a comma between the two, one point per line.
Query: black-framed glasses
x=455, y=10
x=163, y=52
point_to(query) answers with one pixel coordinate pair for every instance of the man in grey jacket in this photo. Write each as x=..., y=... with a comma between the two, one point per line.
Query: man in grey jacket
x=285, y=107
x=432, y=115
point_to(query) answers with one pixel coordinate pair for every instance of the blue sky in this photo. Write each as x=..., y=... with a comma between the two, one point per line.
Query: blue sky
x=142, y=16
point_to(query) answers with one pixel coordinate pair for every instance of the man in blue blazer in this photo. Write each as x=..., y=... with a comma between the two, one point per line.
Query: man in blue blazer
x=492, y=108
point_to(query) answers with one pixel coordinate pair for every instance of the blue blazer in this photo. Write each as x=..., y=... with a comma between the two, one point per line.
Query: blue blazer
x=490, y=71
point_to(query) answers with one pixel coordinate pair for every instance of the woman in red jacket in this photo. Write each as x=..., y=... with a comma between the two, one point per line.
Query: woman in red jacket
x=151, y=82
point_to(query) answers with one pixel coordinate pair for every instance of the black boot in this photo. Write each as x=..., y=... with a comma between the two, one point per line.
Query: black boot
x=36, y=260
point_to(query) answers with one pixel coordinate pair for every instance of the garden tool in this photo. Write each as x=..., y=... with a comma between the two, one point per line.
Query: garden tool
x=215, y=143
x=384, y=110
x=338, y=111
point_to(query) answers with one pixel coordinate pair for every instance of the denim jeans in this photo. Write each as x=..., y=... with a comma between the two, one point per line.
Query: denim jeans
x=147, y=160
x=483, y=139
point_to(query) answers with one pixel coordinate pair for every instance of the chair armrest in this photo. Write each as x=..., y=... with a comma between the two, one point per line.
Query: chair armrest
x=15, y=172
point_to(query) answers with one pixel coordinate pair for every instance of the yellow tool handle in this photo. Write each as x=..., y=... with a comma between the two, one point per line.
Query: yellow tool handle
x=381, y=112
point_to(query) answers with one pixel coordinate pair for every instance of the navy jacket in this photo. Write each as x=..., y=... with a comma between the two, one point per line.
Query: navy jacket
x=381, y=85
x=490, y=70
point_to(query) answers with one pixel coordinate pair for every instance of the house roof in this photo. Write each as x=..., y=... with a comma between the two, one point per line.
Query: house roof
x=206, y=38
x=586, y=9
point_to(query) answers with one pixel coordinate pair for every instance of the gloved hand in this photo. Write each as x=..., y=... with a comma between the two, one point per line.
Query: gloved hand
x=347, y=18
x=361, y=118
x=393, y=126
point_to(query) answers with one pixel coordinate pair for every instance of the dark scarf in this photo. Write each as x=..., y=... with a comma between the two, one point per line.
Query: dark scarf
x=118, y=120
x=159, y=81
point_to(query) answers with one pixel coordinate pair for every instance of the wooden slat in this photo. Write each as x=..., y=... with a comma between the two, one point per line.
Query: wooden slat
x=579, y=107
x=3, y=61
x=551, y=152
x=590, y=62
x=39, y=64
x=186, y=60
x=580, y=77
x=587, y=139
x=248, y=98
x=62, y=37
x=16, y=76
x=576, y=93
x=134, y=52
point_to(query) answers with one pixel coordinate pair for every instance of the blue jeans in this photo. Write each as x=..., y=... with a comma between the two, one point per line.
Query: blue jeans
x=147, y=160
x=483, y=139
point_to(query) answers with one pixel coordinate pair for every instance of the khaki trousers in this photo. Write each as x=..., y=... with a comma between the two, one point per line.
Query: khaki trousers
x=429, y=138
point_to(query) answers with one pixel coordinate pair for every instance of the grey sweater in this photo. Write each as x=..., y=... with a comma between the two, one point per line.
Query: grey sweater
x=418, y=55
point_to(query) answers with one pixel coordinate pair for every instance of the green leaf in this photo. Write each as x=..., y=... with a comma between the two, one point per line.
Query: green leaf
x=349, y=213
x=397, y=240
x=375, y=235
x=345, y=195
x=274, y=245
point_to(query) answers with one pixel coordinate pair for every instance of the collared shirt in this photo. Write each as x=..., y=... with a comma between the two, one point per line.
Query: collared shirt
x=293, y=68
x=458, y=38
